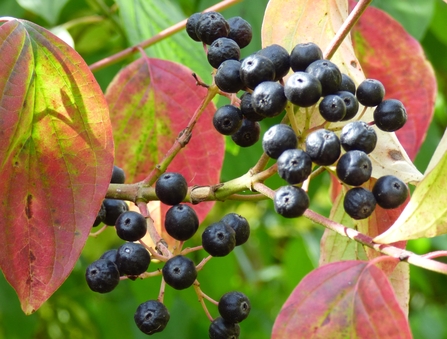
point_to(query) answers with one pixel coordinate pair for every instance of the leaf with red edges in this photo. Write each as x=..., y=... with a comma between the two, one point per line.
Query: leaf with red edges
x=56, y=158
x=388, y=53
x=151, y=101
x=348, y=299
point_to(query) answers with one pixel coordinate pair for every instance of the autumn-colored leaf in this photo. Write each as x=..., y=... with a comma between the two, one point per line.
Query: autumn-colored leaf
x=388, y=53
x=347, y=299
x=290, y=22
x=151, y=101
x=56, y=157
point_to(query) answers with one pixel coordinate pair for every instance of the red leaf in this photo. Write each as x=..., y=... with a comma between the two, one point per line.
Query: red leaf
x=388, y=53
x=348, y=299
x=151, y=101
x=56, y=157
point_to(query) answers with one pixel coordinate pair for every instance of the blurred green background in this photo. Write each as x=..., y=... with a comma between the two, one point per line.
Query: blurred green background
x=279, y=253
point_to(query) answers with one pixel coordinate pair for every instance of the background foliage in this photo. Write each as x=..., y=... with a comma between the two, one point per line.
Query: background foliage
x=280, y=252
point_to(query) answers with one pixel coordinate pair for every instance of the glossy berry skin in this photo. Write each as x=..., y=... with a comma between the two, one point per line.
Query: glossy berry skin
x=277, y=139
x=181, y=222
x=255, y=69
x=227, y=119
x=303, y=55
x=347, y=84
x=240, y=31
x=323, y=147
x=114, y=208
x=294, y=166
x=211, y=26
x=171, y=188
x=240, y=225
x=290, y=201
x=110, y=255
x=118, y=175
x=268, y=99
x=390, y=192
x=247, y=109
x=218, y=239
x=303, y=89
x=102, y=276
x=132, y=259
x=354, y=168
x=228, y=78
x=390, y=115
x=332, y=108
x=280, y=58
x=370, y=92
x=351, y=103
x=151, y=317
x=222, y=329
x=358, y=135
x=248, y=134
x=327, y=73
x=359, y=203
x=222, y=49
x=191, y=26
x=131, y=226
x=179, y=272
x=234, y=307
x=100, y=216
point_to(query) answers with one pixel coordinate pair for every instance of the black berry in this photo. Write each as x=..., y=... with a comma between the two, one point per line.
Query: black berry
x=351, y=103
x=114, y=208
x=218, y=239
x=234, y=307
x=240, y=225
x=268, y=99
x=248, y=134
x=151, y=317
x=179, y=272
x=347, y=84
x=132, y=259
x=100, y=217
x=118, y=175
x=247, y=108
x=332, y=108
x=222, y=329
x=358, y=135
x=228, y=78
x=290, y=201
x=110, y=255
x=222, y=49
x=131, y=226
x=327, y=73
x=390, y=191
x=181, y=222
x=390, y=115
x=102, y=276
x=227, y=119
x=370, y=92
x=191, y=24
x=277, y=139
x=280, y=58
x=211, y=26
x=303, y=55
x=303, y=89
x=323, y=147
x=359, y=203
x=354, y=168
x=240, y=31
x=294, y=166
x=255, y=69
x=171, y=188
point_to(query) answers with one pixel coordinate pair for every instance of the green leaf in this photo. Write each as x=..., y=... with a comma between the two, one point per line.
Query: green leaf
x=47, y=9
x=56, y=158
x=145, y=18
x=426, y=213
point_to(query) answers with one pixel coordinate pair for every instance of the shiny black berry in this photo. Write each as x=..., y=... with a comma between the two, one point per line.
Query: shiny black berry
x=370, y=92
x=280, y=58
x=255, y=69
x=240, y=31
x=102, y=276
x=171, y=188
x=351, y=103
x=248, y=134
x=234, y=307
x=100, y=216
x=247, y=108
x=290, y=201
x=131, y=226
x=303, y=89
x=332, y=108
x=358, y=135
x=222, y=49
x=191, y=24
x=211, y=26
x=118, y=175
x=110, y=255
x=132, y=259
x=179, y=272
x=347, y=84
x=181, y=222
x=114, y=208
x=359, y=203
x=390, y=191
x=294, y=166
x=151, y=317
x=327, y=73
x=228, y=78
x=277, y=139
x=222, y=329
x=354, y=168
x=268, y=99
x=218, y=239
x=303, y=55
x=240, y=225
x=323, y=147
x=390, y=115
x=227, y=119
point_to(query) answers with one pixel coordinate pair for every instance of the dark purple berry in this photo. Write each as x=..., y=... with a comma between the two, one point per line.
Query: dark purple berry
x=347, y=84
x=222, y=49
x=211, y=26
x=227, y=119
x=132, y=259
x=114, y=208
x=181, y=222
x=234, y=307
x=191, y=24
x=294, y=166
x=100, y=216
x=351, y=103
x=358, y=135
x=359, y=203
x=179, y=272
x=268, y=99
x=102, y=276
x=280, y=58
x=303, y=55
x=390, y=115
x=303, y=89
x=248, y=134
x=131, y=226
x=327, y=73
x=118, y=175
x=222, y=329
x=390, y=191
x=277, y=139
x=171, y=188
x=218, y=239
x=240, y=225
x=255, y=69
x=228, y=78
x=290, y=201
x=354, y=168
x=370, y=92
x=240, y=31
x=323, y=147
x=332, y=108
x=247, y=108
x=151, y=317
